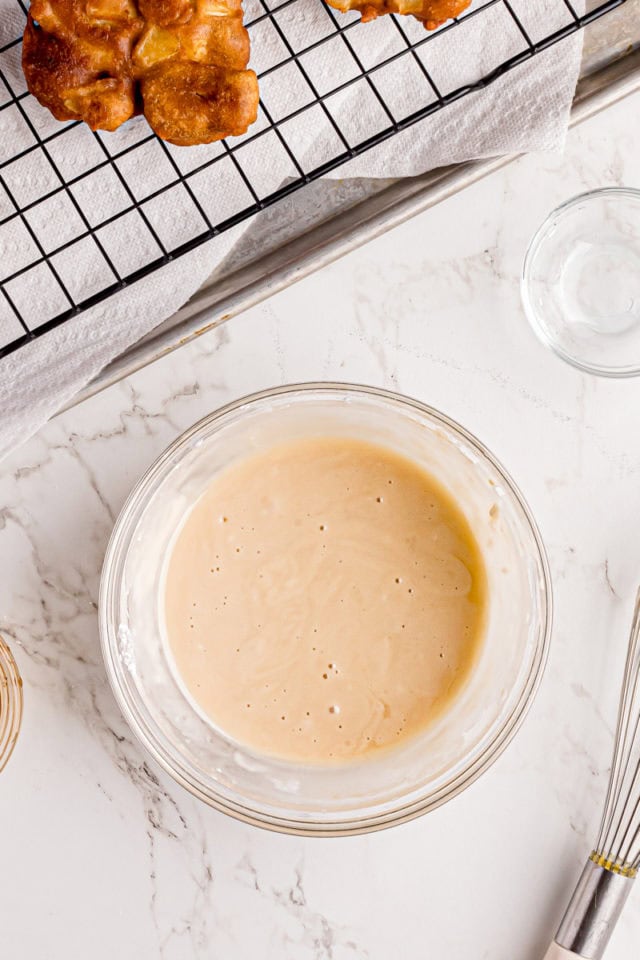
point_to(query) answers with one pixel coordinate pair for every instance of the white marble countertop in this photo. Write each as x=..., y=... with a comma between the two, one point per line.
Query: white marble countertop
x=103, y=856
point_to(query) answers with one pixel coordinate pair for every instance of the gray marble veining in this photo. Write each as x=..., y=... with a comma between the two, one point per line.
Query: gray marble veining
x=106, y=856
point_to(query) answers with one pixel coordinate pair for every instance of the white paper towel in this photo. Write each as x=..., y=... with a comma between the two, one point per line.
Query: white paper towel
x=524, y=111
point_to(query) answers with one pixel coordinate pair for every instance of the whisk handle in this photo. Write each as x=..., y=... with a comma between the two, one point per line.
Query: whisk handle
x=592, y=914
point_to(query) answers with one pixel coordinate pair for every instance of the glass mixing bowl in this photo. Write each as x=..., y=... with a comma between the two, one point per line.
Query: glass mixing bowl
x=396, y=784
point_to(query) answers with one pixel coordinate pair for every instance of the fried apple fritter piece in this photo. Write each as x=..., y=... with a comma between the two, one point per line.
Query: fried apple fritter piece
x=76, y=59
x=432, y=13
x=189, y=103
x=193, y=81
x=181, y=62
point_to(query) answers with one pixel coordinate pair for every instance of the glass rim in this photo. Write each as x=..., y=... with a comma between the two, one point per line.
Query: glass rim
x=536, y=242
x=368, y=822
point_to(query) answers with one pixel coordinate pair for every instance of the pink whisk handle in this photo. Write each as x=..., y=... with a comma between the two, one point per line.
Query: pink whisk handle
x=556, y=952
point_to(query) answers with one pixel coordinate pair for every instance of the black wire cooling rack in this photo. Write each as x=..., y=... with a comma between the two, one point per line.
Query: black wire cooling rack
x=51, y=173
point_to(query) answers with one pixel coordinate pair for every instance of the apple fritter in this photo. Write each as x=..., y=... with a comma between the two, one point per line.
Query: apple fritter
x=188, y=103
x=432, y=13
x=180, y=62
x=76, y=59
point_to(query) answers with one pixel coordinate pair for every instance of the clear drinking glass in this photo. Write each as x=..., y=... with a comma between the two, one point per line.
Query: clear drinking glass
x=581, y=282
x=357, y=796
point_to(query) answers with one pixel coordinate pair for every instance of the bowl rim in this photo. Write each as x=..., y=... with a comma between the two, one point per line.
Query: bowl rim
x=540, y=329
x=11, y=706
x=369, y=822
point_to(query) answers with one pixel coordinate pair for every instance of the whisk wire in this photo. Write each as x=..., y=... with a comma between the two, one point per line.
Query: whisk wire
x=623, y=719
x=609, y=874
x=620, y=825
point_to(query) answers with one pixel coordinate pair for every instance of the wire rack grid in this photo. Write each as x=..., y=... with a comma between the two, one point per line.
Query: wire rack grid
x=311, y=122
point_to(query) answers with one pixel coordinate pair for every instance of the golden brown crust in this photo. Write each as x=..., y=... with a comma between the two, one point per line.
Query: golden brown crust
x=218, y=41
x=181, y=61
x=77, y=81
x=166, y=13
x=189, y=103
x=432, y=13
